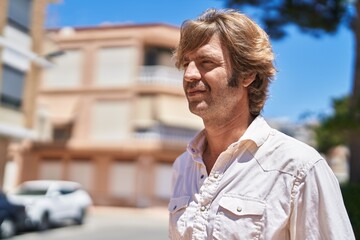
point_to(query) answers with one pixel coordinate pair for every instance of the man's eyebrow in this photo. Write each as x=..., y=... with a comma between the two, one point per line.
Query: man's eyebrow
x=203, y=56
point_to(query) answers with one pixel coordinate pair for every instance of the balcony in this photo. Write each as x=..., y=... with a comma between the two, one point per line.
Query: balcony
x=166, y=134
x=160, y=75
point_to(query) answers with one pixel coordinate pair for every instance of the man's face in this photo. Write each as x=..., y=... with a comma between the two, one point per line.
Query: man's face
x=206, y=83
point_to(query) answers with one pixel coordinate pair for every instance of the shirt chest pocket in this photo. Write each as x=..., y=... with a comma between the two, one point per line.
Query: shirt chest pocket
x=239, y=217
x=176, y=204
x=178, y=219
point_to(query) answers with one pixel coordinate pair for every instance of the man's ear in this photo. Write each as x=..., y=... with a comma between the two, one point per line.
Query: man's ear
x=248, y=79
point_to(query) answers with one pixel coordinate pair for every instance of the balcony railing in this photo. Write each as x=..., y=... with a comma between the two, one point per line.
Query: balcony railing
x=185, y=138
x=160, y=75
x=166, y=134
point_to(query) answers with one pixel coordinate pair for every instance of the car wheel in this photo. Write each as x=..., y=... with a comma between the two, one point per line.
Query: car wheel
x=7, y=228
x=44, y=223
x=80, y=218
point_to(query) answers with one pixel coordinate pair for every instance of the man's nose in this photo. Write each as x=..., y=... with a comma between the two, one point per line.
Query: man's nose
x=192, y=73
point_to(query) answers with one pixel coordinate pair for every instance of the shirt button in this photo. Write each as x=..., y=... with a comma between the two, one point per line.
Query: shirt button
x=174, y=207
x=216, y=175
x=202, y=176
x=202, y=208
x=239, y=209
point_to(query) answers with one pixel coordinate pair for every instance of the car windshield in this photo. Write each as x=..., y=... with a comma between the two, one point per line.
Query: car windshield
x=30, y=191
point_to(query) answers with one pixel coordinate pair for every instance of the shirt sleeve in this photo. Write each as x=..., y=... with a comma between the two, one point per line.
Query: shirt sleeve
x=318, y=210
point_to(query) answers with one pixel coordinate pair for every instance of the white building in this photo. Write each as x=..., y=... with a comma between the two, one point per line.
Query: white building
x=21, y=34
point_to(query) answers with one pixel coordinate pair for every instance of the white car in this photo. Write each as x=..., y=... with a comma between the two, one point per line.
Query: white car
x=50, y=202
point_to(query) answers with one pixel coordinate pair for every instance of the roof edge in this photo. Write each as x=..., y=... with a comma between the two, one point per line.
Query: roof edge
x=113, y=26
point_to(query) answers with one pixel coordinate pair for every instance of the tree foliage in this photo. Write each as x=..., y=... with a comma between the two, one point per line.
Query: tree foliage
x=311, y=16
x=336, y=129
x=318, y=17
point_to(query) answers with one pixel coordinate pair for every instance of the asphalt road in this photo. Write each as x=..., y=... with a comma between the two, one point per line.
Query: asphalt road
x=103, y=223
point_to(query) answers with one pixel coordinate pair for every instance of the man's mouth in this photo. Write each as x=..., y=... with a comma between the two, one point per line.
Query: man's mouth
x=195, y=91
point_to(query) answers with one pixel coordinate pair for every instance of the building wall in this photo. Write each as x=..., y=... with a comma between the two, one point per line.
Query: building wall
x=119, y=117
x=21, y=32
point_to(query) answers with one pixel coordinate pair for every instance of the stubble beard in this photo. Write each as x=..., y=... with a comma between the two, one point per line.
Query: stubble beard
x=206, y=109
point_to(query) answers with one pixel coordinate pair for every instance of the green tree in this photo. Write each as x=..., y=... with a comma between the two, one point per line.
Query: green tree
x=318, y=17
x=336, y=128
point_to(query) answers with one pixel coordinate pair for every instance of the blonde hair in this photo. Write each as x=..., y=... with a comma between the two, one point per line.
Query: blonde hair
x=248, y=46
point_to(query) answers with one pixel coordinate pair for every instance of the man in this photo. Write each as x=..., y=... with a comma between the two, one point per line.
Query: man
x=239, y=178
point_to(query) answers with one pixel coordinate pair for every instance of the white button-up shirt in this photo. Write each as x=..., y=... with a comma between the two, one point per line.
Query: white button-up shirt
x=264, y=186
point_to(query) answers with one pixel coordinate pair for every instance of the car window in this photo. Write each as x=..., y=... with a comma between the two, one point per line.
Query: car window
x=65, y=191
x=31, y=191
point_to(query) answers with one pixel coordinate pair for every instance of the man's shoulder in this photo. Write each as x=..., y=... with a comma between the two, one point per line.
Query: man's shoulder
x=182, y=160
x=285, y=153
x=289, y=143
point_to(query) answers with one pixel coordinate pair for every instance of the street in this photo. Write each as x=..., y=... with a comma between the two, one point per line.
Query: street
x=107, y=223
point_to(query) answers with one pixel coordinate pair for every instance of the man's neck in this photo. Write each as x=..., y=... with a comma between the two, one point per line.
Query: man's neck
x=220, y=136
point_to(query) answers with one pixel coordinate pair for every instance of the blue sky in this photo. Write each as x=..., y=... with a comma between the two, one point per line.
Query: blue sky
x=311, y=71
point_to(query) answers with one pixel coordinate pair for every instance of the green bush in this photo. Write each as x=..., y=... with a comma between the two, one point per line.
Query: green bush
x=351, y=195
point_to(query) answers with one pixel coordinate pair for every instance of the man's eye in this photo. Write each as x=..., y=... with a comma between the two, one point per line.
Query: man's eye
x=185, y=64
x=206, y=62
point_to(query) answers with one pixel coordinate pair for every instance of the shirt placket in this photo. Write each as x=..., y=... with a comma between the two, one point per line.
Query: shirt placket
x=207, y=192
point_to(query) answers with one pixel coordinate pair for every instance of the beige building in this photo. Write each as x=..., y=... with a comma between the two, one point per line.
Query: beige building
x=118, y=113
x=21, y=35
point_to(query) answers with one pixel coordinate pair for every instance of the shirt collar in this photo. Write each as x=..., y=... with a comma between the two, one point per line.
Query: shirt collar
x=258, y=132
x=197, y=144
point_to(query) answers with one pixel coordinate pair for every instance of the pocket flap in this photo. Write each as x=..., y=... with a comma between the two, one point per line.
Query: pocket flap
x=242, y=206
x=178, y=203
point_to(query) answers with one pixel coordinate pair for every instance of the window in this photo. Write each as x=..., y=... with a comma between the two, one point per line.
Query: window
x=19, y=14
x=144, y=111
x=62, y=133
x=69, y=63
x=122, y=179
x=116, y=66
x=82, y=170
x=158, y=56
x=163, y=176
x=110, y=120
x=12, y=86
x=51, y=168
x=64, y=191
